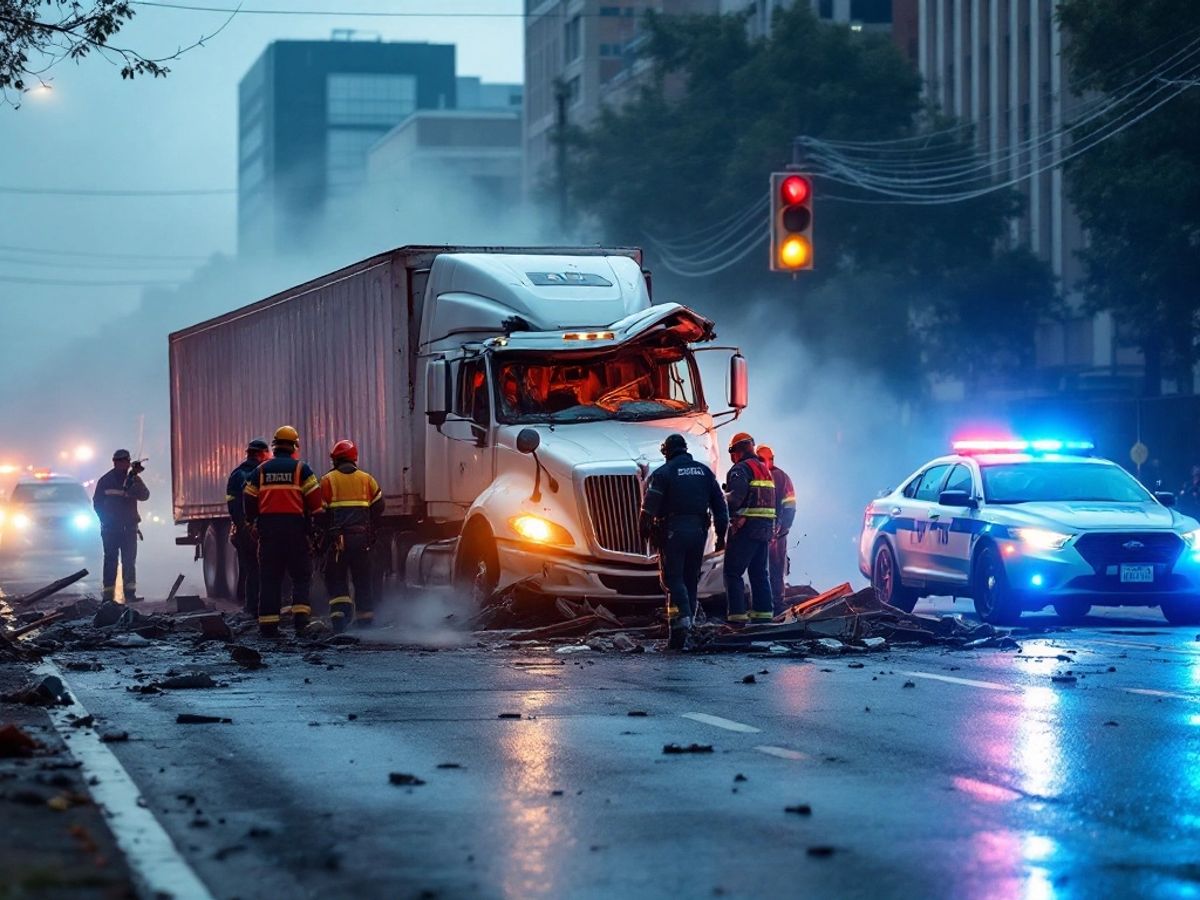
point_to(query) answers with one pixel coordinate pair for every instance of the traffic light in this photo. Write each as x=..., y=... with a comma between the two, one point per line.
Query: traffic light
x=791, y=222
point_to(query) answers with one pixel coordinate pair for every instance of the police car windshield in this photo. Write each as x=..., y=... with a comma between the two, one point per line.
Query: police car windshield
x=646, y=383
x=59, y=492
x=1051, y=482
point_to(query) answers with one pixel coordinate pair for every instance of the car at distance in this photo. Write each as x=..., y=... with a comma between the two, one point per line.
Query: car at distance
x=1021, y=525
x=47, y=513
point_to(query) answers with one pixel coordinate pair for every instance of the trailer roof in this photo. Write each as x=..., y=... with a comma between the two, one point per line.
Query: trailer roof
x=418, y=255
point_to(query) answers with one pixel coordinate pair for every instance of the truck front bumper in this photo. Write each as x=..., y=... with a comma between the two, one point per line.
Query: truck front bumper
x=575, y=577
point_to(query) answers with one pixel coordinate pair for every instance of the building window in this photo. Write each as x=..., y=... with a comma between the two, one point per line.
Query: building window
x=250, y=142
x=608, y=11
x=346, y=157
x=356, y=99
x=252, y=175
x=574, y=91
x=572, y=39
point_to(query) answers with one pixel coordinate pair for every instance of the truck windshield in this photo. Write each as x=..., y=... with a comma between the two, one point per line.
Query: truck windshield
x=1034, y=482
x=646, y=383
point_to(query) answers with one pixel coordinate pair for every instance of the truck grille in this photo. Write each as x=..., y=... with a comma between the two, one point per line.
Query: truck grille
x=614, y=502
x=1104, y=549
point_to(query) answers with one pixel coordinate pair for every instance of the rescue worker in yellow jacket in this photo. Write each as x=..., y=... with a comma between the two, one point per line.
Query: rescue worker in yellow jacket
x=785, y=516
x=351, y=510
x=750, y=492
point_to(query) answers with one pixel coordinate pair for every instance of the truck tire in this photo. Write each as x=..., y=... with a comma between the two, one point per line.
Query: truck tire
x=231, y=566
x=212, y=554
x=994, y=600
x=885, y=579
x=478, y=569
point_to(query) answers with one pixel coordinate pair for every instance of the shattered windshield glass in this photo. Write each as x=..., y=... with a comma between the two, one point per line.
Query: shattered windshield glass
x=642, y=383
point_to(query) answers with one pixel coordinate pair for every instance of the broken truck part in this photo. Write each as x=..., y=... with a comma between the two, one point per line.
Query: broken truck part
x=510, y=402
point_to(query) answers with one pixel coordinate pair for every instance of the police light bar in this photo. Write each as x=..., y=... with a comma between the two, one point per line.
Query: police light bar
x=1041, y=445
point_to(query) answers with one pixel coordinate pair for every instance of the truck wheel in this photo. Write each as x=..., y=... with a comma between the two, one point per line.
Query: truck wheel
x=994, y=601
x=212, y=552
x=478, y=566
x=1072, y=611
x=885, y=578
x=231, y=567
x=1182, y=612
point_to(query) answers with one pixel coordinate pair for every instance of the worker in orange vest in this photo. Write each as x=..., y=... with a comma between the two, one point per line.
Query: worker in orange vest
x=352, y=508
x=750, y=493
x=785, y=516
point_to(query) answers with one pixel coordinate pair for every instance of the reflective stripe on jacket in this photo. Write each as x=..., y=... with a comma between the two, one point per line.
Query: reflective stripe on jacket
x=351, y=499
x=785, y=499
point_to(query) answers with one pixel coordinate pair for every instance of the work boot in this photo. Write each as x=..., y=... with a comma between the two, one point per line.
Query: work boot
x=300, y=622
x=677, y=639
x=338, y=621
x=268, y=630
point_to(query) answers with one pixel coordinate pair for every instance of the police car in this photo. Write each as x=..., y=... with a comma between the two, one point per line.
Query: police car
x=48, y=513
x=1019, y=525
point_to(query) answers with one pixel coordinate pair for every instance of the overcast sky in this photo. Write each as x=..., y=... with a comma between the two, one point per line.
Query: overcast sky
x=94, y=131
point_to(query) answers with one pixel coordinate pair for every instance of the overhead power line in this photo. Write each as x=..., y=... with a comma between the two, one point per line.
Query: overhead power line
x=116, y=192
x=68, y=282
x=359, y=13
x=100, y=254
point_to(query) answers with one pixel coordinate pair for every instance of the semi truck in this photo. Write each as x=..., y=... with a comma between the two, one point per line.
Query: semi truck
x=511, y=403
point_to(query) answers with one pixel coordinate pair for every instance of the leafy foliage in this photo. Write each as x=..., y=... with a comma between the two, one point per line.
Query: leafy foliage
x=695, y=147
x=1138, y=194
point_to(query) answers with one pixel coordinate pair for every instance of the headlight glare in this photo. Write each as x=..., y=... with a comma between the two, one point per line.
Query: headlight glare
x=539, y=530
x=82, y=521
x=1192, y=539
x=1042, y=538
x=21, y=521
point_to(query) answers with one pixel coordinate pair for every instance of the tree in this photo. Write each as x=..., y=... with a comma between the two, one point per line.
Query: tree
x=36, y=35
x=1138, y=193
x=695, y=147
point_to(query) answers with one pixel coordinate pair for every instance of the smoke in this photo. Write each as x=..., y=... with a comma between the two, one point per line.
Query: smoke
x=437, y=619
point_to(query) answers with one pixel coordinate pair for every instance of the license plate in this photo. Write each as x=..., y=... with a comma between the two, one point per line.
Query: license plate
x=1137, y=574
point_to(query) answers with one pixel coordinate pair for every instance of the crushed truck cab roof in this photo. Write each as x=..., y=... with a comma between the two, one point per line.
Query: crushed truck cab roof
x=668, y=322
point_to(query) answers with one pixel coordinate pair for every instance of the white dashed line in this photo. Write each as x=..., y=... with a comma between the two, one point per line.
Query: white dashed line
x=967, y=682
x=781, y=752
x=727, y=724
x=1149, y=692
x=153, y=858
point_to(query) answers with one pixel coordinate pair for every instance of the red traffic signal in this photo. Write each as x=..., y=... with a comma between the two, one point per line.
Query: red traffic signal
x=791, y=222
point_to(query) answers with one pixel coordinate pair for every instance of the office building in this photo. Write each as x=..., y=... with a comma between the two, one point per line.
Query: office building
x=308, y=111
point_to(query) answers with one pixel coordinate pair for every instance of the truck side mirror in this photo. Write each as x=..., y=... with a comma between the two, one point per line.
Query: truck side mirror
x=739, y=382
x=437, y=391
x=528, y=440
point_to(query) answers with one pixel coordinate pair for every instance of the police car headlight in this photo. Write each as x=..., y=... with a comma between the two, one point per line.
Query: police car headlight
x=1192, y=539
x=82, y=522
x=540, y=531
x=1042, y=538
x=21, y=521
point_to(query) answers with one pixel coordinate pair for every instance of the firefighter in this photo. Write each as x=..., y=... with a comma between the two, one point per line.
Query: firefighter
x=280, y=498
x=750, y=492
x=240, y=534
x=683, y=499
x=352, y=508
x=117, y=495
x=785, y=515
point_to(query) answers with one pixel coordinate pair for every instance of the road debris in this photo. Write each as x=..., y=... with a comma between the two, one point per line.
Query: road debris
x=46, y=691
x=50, y=589
x=404, y=779
x=196, y=719
x=1064, y=678
x=16, y=744
x=246, y=657
x=188, y=681
x=674, y=749
x=799, y=809
x=114, y=737
x=821, y=851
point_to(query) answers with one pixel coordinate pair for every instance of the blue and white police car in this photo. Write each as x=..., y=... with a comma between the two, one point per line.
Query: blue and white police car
x=1019, y=525
x=48, y=513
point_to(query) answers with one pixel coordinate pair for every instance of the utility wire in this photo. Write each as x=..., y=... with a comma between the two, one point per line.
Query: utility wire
x=357, y=13
x=66, y=282
x=96, y=254
x=76, y=264
x=89, y=192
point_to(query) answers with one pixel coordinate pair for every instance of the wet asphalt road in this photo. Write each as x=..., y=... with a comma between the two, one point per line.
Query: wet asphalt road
x=930, y=773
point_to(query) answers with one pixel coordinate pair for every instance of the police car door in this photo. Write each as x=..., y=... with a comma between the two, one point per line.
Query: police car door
x=923, y=548
x=951, y=529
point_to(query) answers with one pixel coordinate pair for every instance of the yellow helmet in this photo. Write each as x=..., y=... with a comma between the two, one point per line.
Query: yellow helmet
x=740, y=438
x=286, y=435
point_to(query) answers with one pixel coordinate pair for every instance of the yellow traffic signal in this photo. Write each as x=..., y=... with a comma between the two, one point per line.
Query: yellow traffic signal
x=791, y=222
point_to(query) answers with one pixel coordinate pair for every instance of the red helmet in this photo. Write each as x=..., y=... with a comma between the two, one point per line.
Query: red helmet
x=343, y=451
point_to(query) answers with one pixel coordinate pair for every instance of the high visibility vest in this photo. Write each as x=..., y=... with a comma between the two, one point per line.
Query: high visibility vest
x=760, y=499
x=348, y=498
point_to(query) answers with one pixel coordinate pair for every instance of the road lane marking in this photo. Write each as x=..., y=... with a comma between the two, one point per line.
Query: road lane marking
x=781, y=752
x=153, y=858
x=727, y=724
x=1150, y=692
x=1144, y=646
x=967, y=682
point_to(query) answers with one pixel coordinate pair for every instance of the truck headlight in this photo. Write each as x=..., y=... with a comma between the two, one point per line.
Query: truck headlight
x=1191, y=538
x=539, y=530
x=1041, y=538
x=21, y=521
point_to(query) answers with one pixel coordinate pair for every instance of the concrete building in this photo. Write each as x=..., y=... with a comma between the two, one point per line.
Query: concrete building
x=475, y=93
x=471, y=155
x=999, y=64
x=861, y=15
x=308, y=111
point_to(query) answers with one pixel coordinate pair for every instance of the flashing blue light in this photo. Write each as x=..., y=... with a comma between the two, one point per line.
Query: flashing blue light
x=1037, y=580
x=82, y=522
x=1041, y=445
x=1196, y=557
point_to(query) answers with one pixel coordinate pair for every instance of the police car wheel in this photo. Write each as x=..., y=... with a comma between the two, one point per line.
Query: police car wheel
x=885, y=579
x=1072, y=611
x=1182, y=612
x=994, y=601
